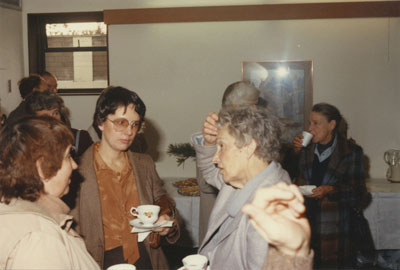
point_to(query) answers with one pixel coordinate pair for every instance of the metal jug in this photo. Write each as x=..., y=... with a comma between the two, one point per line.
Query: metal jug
x=392, y=158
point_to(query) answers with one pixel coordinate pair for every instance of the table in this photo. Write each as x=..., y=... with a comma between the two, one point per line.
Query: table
x=383, y=213
x=188, y=207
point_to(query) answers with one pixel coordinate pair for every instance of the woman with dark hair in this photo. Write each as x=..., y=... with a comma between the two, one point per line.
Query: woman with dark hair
x=35, y=170
x=116, y=180
x=334, y=164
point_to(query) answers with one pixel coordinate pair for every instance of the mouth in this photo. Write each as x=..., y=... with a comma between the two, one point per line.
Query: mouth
x=126, y=141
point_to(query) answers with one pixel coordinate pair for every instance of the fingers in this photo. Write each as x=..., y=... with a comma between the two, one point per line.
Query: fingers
x=265, y=196
x=297, y=142
x=210, y=129
x=279, y=198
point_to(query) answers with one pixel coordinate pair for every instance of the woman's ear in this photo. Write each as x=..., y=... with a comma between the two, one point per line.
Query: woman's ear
x=251, y=148
x=39, y=168
x=332, y=125
x=101, y=127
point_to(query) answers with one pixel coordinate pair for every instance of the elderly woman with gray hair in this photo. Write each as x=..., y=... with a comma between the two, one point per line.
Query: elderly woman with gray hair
x=243, y=142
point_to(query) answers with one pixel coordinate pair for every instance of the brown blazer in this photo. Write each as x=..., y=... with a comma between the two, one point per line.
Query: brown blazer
x=88, y=211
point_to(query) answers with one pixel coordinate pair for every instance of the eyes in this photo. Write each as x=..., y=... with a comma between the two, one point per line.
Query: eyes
x=121, y=124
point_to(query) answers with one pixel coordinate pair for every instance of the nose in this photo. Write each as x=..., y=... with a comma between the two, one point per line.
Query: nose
x=215, y=158
x=74, y=165
x=129, y=130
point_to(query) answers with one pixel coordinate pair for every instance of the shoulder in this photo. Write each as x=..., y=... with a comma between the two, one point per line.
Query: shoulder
x=141, y=158
x=86, y=159
x=355, y=147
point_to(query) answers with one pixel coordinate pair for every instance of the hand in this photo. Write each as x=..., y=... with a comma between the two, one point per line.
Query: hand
x=163, y=230
x=297, y=143
x=210, y=129
x=277, y=214
x=320, y=192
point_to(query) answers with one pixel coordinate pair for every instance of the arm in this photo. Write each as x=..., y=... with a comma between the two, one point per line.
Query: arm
x=277, y=214
x=39, y=250
x=277, y=261
x=351, y=188
x=206, y=167
x=167, y=204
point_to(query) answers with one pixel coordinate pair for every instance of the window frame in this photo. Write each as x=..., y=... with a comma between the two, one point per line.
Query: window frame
x=37, y=44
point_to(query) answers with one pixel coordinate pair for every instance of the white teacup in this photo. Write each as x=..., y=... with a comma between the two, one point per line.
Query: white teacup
x=195, y=262
x=307, y=136
x=122, y=266
x=147, y=213
x=306, y=190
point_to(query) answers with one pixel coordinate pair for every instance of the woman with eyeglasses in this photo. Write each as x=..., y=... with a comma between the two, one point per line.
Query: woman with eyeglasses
x=114, y=180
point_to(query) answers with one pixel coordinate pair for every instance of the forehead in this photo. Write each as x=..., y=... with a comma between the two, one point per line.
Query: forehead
x=126, y=112
x=316, y=116
x=223, y=134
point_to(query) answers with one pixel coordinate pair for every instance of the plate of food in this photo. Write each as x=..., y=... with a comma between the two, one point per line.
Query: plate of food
x=186, y=183
x=189, y=190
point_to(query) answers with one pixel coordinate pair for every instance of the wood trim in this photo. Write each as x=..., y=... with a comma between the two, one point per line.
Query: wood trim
x=254, y=12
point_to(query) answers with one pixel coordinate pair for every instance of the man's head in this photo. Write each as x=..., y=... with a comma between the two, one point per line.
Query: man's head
x=51, y=81
x=240, y=94
x=32, y=83
x=113, y=98
x=44, y=103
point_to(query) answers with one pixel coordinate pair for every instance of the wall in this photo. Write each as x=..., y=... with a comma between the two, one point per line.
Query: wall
x=181, y=70
x=11, y=60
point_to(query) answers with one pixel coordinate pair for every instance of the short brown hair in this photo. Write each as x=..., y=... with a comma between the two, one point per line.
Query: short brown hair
x=24, y=142
x=27, y=84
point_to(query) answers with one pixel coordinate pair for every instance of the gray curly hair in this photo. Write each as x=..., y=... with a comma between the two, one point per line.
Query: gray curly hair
x=246, y=123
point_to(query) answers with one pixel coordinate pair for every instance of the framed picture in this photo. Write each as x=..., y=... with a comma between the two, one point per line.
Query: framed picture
x=286, y=89
x=14, y=4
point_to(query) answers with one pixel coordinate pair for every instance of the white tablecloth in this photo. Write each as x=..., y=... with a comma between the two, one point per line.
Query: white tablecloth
x=188, y=207
x=383, y=213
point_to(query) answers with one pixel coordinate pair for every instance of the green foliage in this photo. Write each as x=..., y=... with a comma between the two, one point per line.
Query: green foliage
x=182, y=151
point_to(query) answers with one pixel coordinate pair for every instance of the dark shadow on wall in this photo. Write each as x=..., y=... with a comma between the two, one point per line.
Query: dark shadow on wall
x=152, y=137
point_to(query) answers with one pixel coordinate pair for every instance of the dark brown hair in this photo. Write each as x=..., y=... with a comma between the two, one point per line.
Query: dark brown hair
x=330, y=112
x=27, y=84
x=111, y=99
x=24, y=142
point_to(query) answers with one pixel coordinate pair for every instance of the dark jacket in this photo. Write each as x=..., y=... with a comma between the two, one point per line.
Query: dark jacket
x=329, y=217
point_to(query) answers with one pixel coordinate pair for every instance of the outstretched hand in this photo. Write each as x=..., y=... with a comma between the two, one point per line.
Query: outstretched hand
x=277, y=214
x=210, y=129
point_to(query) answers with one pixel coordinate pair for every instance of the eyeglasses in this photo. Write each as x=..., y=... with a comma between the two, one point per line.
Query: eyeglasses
x=121, y=124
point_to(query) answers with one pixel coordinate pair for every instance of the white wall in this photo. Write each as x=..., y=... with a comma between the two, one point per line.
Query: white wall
x=181, y=70
x=11, y=60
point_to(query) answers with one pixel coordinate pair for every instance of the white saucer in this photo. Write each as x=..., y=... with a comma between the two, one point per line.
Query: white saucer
x=307, y=189
x=140, y=225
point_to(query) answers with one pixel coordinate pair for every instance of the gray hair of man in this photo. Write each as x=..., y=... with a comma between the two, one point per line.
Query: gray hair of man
x=250, y=122
x=240, y=93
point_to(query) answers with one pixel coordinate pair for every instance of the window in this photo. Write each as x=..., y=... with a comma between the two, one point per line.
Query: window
x=72, y=46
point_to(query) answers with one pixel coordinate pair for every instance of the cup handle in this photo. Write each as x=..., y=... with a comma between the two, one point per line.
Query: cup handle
x=133, y=210
x=386, y=157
